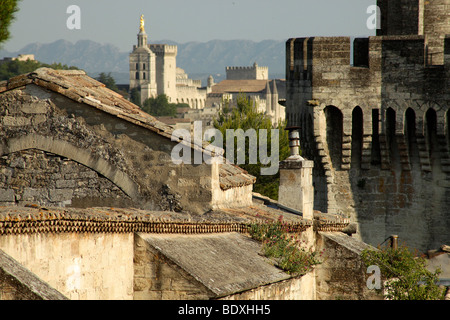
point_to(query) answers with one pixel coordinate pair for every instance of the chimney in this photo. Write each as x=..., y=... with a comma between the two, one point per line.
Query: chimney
x=296, y=190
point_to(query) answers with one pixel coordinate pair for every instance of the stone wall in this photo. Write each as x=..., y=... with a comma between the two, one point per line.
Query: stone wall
x=18, y=283
x=81, y=266
x=300, y=288
x=417, y=17
x=95, y=159
x=342, y=275
x=157, y=278
x=377, y=131
x=254, y=72
x=37, y=177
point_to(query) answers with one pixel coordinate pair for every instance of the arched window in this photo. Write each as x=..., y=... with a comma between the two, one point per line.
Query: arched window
x=448, y=128
x=137, y=66
x=334, y=121
x=390, y=129
x=376, y=149
x=137, y=75
x=431, y=130
x=143, y=66
x=410, y=135
x=143, y=75
x=357, y=136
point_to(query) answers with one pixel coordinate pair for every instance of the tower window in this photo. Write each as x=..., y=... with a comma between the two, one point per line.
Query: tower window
x=357, y=136
x=335, y=129
x=137, y=75
x=376, y=149
x=137, y=66
x=143, y=66
x=143, y=76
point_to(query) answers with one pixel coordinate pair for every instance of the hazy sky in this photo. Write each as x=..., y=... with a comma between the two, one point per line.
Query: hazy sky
x=117, y=21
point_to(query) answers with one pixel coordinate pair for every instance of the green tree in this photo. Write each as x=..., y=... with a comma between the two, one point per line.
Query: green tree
x=245, y=116
x=108, y=81
x=7, y=10
x=135, y=96
x=15, y=67
x=406, y=274
x=160, y=106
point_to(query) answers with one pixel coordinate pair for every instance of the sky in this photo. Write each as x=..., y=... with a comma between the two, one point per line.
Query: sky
x=117, y=21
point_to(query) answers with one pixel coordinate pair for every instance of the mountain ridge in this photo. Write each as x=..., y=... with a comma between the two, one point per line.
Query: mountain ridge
x=211, y=57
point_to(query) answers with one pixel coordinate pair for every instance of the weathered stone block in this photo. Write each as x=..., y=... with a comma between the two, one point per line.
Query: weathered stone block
x=63, y=184
x=10, y=121
x=7, y=195
x=57, y=195
x=36, y=108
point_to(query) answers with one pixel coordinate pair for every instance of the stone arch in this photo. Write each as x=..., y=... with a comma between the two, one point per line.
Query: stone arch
x=430, y=130
x=70, y=151
x=390, y=127
x=334, y=134
x=357, y=136
x=409, y=129
x=376, y=148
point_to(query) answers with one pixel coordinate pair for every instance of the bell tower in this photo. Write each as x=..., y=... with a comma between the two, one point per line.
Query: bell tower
x=143, y=65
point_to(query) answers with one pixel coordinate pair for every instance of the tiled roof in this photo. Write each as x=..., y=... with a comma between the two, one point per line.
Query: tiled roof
x=223, y=263
x=36, y=219
x=236, y=86
x=77, y=86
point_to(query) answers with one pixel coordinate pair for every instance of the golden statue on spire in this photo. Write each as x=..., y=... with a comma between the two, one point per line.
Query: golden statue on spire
x=141, y=28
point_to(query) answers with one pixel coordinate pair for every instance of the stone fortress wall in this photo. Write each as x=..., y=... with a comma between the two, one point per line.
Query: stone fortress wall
x=254, y=72
x=379, y=130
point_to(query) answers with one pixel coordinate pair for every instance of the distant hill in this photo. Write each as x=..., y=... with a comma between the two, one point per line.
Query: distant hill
x=196, y=58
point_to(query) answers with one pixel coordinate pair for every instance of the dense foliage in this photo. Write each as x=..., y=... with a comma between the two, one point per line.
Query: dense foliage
x=245, y=116
x=15, y=67
x=406, y=275
x=7, y=10
x=108, y=81
x=284, y=247
x=160, y=106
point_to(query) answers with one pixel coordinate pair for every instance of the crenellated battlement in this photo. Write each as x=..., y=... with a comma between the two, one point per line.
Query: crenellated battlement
x=330, y=58
x=374, y=117
x=163, y=48
x=254, y=72
x=246, y=68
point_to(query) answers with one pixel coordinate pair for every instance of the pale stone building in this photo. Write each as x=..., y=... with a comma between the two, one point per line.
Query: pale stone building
x=264, y=93
x=153, y=70
x=20, y=57
x=92, y=207
x=254, y=72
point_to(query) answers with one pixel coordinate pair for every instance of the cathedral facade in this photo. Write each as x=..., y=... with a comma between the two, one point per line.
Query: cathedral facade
x=153, y=71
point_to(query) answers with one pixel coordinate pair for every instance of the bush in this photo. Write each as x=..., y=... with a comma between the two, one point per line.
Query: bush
x=284, y=247
x=406, y=274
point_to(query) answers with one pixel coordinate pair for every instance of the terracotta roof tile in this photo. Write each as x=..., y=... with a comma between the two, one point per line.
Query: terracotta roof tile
x=236, y=86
